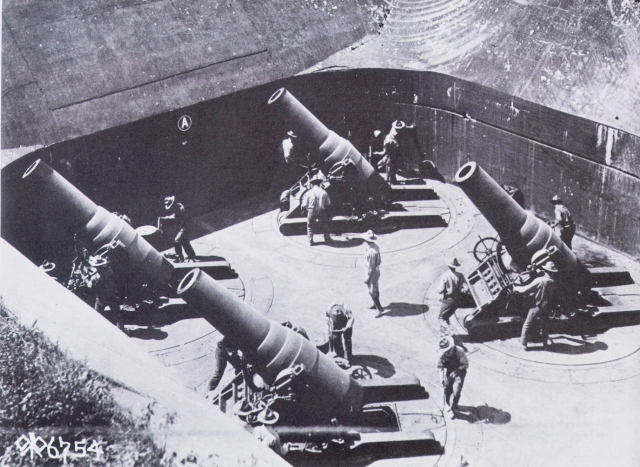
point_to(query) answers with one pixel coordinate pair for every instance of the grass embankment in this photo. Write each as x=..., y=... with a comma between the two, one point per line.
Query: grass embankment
x=47, y=394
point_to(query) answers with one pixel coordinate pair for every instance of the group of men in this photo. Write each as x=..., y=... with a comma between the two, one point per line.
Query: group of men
x=93, y=279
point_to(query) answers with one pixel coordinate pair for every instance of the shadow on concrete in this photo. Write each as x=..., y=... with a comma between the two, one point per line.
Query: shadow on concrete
x=580, y=326
x=147, y=334
x=371, y=366
x=483, y=414
x=582, y=346
x=160, y=317
x=405, y=309
x=366, y=454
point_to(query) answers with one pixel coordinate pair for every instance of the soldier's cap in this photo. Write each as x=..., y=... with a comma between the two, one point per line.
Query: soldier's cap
x=556, y=200
x=316, y=180
x=47, y=266
x=454, y=263
x=291, y=133
x=398, y=124
x=369, y=236
x=376, y=133
x=268, y=416
x=335, y=308
x=168, y=201
x=97, y=261
x=445, y=344
x=549, y=266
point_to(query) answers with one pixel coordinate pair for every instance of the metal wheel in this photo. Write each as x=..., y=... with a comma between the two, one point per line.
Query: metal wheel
x=486, y=247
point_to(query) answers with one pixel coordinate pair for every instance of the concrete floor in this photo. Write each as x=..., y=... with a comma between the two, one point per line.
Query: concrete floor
x=573, y=405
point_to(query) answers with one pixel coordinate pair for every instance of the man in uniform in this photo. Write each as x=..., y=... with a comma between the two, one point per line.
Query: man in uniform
x=340, y=325
x=225, y=353
x=452, y=287
x=316, y=201
x=178, y=214
x=563, y=221
x=391, y=151
x=452, y=367
x=103, y=284
x=372, y=260
x=543, y=290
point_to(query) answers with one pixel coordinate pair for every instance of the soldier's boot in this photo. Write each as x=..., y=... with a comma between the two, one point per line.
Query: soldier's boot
x=379, y=307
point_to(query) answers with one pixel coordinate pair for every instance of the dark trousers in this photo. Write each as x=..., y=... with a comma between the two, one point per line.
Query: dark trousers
x=318, y=219
x=221, y=365
x=455, y=381
x=567, y=233
x=342, y=351
x=449, y=306
x=114, y=315
x=535, y=313
x=182, y=240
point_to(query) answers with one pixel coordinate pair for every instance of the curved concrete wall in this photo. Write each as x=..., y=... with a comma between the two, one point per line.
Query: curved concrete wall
x=72, y=68
x=231, y=152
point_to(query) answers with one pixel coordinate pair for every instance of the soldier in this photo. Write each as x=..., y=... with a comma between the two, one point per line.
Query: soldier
x=563, y=221
x=316, y=201
x=452, y=287
x=225, y=353
x=340, y=326
x=373, y=260
x=543, y=290
x=452, y=366
x=180, y=216
x=103, y=284
x=392, y=156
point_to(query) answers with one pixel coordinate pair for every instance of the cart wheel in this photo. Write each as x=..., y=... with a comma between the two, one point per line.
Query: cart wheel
x=485, y=247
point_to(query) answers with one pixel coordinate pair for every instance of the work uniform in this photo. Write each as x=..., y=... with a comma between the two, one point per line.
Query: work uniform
x=543, y=290
x=340, y=325
x=225, y=353
x=454, y=363
x=103, y=284
x=373, y=260
x=564, y=223
x=452, y=289
x=393, y=155
x=316, y=201
x=179, y=213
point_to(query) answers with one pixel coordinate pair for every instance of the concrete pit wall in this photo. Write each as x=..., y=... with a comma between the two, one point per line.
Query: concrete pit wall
x=231, y=152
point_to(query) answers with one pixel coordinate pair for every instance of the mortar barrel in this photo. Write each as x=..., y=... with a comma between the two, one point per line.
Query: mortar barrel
x=101, y=227
x=272, y=346
x=328, y=147
x=522, y=233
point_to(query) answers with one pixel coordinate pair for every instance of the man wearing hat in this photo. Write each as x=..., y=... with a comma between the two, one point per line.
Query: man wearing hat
x=316, y=201
x=452, y=287
x=103, y=284
x=372, y=260
x=563, y=221
x=178, y=214
x=452, y=367
x=340, y=326
x=543, y=290
x=391, y=150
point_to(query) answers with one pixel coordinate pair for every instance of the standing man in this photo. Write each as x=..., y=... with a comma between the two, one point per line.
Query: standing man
x=563, y=221
x=178, y=214
x=103, y=284
x=340, y=325
x=543, y=290
x=372, y=260
x=225, y=353
x=316, y=201
x=452, y=366
x=452, y=287
x=391, y=150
